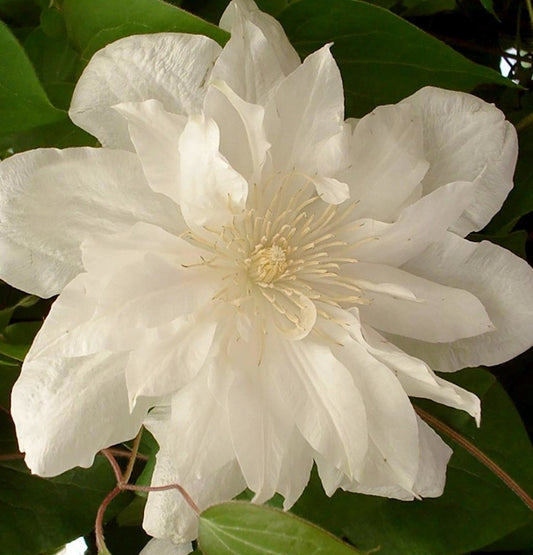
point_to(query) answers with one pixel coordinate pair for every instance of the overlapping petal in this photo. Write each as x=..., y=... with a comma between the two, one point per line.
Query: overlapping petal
x=466, y=138
x=172, y=68
x=257, y=56
x=62, y=408
x=492, y=274
x=213, y=273
x=68, y=195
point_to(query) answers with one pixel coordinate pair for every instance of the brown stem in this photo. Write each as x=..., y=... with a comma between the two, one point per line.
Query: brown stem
x=99, y=523
x=131, y=462
x=126, y=454
x=478, y=454
x=183, y=492
x=114, y=464
x=11, y=457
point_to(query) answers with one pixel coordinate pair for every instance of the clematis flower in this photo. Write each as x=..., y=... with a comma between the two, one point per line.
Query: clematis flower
x=260, y=283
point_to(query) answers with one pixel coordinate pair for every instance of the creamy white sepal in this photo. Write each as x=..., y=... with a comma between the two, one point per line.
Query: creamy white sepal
x=257, y=56
x=438, y=314
x=418, y=379
x=390, y=418
x=166, y=547
x=155, y=135
x=63, y=407
x=418, y=225
x=207, y=469
x=260, y=428
x=295, y=469
x=172, y=68
x=492, y=273
x=305, y=111
x=242, y=135
x=170, y=358
x=330, y=190
x=378, y=479
x=464, y=137
x=212, y=192
x=325, y=404
x=136, y=281
x=68, y=195
x=386, y=162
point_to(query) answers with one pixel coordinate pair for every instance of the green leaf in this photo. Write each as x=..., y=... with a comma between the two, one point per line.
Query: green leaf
x=489, y=6
x=476, y=508
x=16, y=339
x=243, y=528
x=418, y=8
x=23, y=102
x=20, y=12
x=382, y=57
x=57, y=64
x=38, y=514
x=91, y=24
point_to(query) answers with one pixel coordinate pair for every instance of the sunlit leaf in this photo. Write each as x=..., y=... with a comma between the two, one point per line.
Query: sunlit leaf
x=237, y=527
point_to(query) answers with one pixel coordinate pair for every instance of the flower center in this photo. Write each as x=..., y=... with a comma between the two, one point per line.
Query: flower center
x=267, y=264
x=285, y=256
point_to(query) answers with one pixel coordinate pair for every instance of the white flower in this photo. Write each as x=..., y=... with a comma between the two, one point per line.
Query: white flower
x=271, y=282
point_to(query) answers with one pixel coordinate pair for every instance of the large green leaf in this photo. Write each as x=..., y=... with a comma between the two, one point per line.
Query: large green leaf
x=382, y=57
x=238, y=527
x=23, y=102
x=57, y=64
x=38, y=514
x=91, y=24
x=476, y=508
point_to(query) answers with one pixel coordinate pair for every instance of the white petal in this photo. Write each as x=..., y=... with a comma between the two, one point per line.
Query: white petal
x=390, y=416
x=330, y=190
x=170, y=67
x=198, y=420
x=439, y=313
x=417, y=378
x=155, y=135
x=434, y=457
x=257, y=56
x=379, y=479
x=52, y=200
x=295, y=469
x=464, y=137
x=260, y=430
x=326, y=405
x=163, y=363
x=387, y=162
x=242, y=136
x=212, y=192
x=306, y=110
x=66, y=410
x=128, y=290
x=167, y=515
x=504, y=284
x=418, y=226
x=166, y=547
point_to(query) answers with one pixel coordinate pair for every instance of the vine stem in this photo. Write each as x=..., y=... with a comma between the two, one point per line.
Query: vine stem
x=11, y=457
x=122, y=485
x=478, y=454
x=133, y=456
x=99, y=523
x=524, y=122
